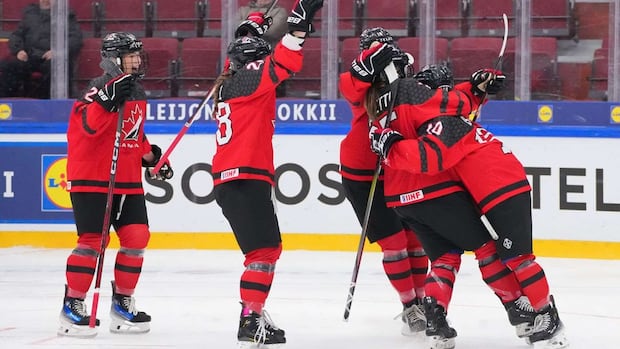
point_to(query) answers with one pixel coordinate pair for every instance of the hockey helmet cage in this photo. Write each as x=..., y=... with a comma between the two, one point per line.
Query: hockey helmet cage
x=247, y=49
x=436, y=76
x=403, y=62
x=371, y=35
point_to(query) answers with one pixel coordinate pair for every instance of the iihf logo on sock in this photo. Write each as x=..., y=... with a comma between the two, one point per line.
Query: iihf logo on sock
x=54, y=194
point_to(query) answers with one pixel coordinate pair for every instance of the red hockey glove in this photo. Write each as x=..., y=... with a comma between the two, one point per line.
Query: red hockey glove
x=382, y=139
x=256, y=24
x=371, y=62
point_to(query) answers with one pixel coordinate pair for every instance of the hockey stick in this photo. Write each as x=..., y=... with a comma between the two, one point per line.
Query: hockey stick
x=181, y=133
x=498, y=63
x=191, y=120
x=392, y=75
x=105, y=229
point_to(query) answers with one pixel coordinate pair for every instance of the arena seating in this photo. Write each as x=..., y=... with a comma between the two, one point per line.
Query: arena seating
x=412, y=45
x=552, y=18
x=11, y=14
x=307, y=83
x=88, y=14
x=134, y=16
x=598, y=79
x=450, y=18
x=213, y=18
x=162, y=59
x=485, y=17
x=199, y=65
x=391, y=15
x=178, y=18
x=472, y=53
x=87, y=67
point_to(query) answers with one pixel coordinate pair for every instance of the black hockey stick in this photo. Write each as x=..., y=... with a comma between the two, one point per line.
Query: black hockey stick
x=107, y=66
x=392, y=75
x=498, y=64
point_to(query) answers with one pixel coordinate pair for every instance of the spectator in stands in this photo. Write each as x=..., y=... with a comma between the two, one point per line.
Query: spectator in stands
x=30, y=48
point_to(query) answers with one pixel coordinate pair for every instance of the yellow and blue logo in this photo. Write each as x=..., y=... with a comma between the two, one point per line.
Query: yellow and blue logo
x=545, y=113
x=54, y=194
x=6, y=111
x=614, y=114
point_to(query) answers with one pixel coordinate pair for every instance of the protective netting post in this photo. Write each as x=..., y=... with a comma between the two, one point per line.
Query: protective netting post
x=613, y=81
x=60, y=50
x=427, y=16
x=523, y=52
x=330, y=52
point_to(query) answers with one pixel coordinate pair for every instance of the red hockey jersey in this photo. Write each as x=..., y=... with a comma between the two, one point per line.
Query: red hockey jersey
x=90, y=136
x=246, y=117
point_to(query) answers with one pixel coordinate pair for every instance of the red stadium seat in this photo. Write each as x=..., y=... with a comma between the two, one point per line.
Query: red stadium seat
x=485, y=17
x=162, y=69
x=391, y=15
x=598, y=81
x=412, y=45
x=199, y=66
x=4, y=48
x=87, y=67
x=348, y=24
x=213, y=21
x=12, y=11
x=307, y=83
x=472, y=53
x=544, y=80
x=179, y=18
x=552, y=18
x=88, y=14
x=349, y=50
x=134, y=16
x=449, y=18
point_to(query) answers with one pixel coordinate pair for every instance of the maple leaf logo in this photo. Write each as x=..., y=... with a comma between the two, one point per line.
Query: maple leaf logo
x=132, y=130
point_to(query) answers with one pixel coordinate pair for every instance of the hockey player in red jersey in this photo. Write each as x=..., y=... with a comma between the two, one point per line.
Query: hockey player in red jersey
x=404, y=260
x=243, y=168
x=90, y=136
x=429, y=137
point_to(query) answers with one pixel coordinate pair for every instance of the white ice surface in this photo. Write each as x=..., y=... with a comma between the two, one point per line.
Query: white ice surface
x=192, y=296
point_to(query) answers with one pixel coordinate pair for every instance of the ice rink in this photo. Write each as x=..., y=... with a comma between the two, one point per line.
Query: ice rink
x=192, y=296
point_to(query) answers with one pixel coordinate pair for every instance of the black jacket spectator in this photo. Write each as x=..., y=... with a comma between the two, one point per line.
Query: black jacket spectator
x=27, y=72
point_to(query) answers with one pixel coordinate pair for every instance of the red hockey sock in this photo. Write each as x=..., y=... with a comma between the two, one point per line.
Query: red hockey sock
x=418, y=261
x=532, y=279
x=133, y=240
x=496, y=275
x=81, y=265
x=440, y=281
x=257, y=278
x=396, y=265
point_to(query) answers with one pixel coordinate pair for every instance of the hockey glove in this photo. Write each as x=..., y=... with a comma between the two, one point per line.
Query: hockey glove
x=300, y=18
x=256, y=24
x=371, y=62
x=381, y=140
x=487, y=80
x=115, y=92
x=165, y=172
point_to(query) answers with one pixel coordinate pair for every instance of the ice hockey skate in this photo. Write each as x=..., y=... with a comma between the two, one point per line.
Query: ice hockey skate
x=548, y=331
x=74, y=319
x=125, y=318
x=439, y=334
x=258, y=331
x=521, y=315
x=414, y=321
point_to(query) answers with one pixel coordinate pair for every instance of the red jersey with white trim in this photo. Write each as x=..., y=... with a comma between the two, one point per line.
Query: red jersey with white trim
x=246, y=117
x=415, y=105
x=357, y=161
x=90, y=137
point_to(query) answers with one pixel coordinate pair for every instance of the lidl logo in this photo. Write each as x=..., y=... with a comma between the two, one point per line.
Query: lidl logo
x=54, y=194
x=615, y=114
x=545, y=113
x=6, y=111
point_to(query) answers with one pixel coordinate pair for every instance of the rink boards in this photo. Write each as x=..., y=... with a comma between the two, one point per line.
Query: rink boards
x=575, y=189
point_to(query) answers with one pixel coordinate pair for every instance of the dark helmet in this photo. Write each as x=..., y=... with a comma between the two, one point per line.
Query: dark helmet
x=403, y=62
x=436, y=76
x=371, y=35
x=247, y=49
x=116, y=45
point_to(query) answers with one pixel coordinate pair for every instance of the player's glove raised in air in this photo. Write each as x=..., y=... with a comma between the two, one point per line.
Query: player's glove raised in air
x=487, y=80
x=371, y=62
x=165, y=172
x=256, y=24
x=300, y=18
x=382, y=139
x=115, y=92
